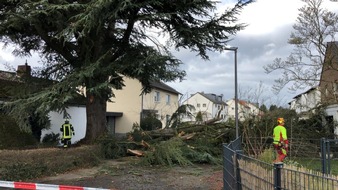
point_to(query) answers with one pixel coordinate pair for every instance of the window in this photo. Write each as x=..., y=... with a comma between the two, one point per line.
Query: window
x=204, y=105
x=168, y=99
x=198, y=105
x=157, y=96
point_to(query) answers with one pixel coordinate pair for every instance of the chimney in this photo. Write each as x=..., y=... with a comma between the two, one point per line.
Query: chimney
x=23, y=70
x=219, y=97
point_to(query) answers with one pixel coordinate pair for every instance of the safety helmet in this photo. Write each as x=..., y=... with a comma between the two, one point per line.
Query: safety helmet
x=280, y=120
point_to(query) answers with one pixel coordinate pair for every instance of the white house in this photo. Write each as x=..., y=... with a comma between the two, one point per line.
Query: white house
x=245, y=110
x=161, y=101
x=325, y=94
x=305, y=102
x=210, y=105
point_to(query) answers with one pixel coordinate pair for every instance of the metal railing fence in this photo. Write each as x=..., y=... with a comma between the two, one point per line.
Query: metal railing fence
x=241, y=171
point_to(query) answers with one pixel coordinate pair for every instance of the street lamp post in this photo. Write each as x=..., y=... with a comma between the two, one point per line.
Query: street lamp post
x=236, y=95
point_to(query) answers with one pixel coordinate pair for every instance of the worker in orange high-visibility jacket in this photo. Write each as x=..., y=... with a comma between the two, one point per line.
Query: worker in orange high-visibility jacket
x=67, y=133
x=280, y=140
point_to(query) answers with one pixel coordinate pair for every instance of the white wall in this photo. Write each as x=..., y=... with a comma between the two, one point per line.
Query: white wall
x=245, y=109
x=210, y=110
x=162, y=107
x=306, y=101
x=127, y=101
x=78, y=120
x=332, y=110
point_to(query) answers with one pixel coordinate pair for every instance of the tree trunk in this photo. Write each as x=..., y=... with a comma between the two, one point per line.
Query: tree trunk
x=96, y=118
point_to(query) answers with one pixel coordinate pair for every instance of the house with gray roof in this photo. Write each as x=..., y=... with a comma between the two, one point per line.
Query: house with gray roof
x=210, y=105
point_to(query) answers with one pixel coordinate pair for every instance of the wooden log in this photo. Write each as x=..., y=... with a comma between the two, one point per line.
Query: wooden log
x=188, y=136
x=145, y=144
x=135, y=152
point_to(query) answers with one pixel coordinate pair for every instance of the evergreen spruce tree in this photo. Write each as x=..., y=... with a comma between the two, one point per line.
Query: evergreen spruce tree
x=93, y=43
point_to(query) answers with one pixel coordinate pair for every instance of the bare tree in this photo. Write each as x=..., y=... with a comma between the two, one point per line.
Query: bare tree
x=255, y=95
x=302, y=68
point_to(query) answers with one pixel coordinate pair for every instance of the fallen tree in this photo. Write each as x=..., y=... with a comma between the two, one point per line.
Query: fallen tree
x=215, y=129
x=183, y=146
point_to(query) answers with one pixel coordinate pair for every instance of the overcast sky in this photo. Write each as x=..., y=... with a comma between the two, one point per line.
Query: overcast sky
x=264, y=39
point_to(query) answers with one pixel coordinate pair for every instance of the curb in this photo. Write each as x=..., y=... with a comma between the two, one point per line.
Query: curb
x=37, y=186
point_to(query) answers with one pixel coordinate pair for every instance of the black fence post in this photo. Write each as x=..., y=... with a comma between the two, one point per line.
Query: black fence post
x=328, y=157
x=277, y=175
x=229, y=178
x=323, y=155
x=237, y=169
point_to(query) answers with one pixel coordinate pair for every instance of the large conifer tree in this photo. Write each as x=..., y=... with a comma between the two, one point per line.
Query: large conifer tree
x=91, y=43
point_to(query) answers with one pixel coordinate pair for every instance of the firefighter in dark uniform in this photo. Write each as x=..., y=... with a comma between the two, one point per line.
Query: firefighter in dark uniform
x=67, y=133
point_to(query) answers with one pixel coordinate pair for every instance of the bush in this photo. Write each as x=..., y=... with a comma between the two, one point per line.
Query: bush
x=111, y=149
x=150, y=123
x=137, y=134
x=23, y=171
x=11, y=136
x=268, y=155
x=51, y=139
x=34, y=163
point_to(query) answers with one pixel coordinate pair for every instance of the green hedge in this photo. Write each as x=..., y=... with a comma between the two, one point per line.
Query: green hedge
x=11, y=136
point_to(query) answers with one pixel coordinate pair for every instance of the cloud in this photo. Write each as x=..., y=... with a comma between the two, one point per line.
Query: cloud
x=264, y=39
x=217, y=74
x=6, y=53
x=8, y=59
x=265, y=16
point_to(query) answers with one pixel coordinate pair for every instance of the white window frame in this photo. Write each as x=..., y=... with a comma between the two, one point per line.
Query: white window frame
x=157, y=97
x=168, y=99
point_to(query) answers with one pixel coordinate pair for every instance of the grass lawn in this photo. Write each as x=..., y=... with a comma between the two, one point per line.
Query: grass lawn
x=316, y=164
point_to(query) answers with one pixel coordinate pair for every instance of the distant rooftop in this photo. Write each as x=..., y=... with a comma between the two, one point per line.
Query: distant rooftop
x=163, y=86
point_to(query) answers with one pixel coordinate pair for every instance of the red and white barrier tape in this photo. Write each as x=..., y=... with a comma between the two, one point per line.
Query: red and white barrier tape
x=37, y=186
